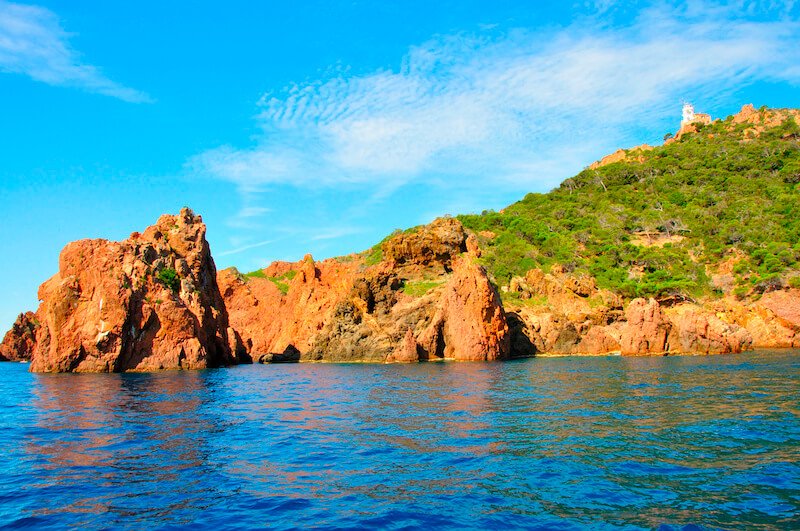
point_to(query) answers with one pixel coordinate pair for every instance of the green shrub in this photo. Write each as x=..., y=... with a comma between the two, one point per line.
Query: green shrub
x=419, y=288
x=283, y=287
x=375, y=256
x=169, y=277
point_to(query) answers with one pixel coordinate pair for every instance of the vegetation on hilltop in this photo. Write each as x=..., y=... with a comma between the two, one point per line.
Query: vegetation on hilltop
x=660, y=226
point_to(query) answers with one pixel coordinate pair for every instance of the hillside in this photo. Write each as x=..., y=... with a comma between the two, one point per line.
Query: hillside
x=713, y=212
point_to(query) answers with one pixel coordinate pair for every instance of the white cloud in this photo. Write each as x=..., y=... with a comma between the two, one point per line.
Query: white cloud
x=244, y=248
x=248, y=217
x=33, y=43
x=519, y=107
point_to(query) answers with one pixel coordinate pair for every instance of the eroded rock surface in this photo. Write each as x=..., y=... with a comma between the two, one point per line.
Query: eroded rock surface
x=148, y=302
x=647, y=329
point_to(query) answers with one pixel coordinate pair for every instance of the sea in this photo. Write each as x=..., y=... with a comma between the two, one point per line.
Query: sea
x=668, y=443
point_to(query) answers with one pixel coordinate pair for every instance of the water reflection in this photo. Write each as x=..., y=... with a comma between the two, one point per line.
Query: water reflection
x=538, y=442
x=112, y=432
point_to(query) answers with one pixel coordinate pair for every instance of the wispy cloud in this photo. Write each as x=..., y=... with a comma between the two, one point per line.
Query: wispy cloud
x=518, y=107
x=33, y=43
x=248, y=217
x=244, y=248
x=336, y=232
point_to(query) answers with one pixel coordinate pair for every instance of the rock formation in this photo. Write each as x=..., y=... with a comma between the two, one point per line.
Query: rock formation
x=155, y=301
x=556, y=324
x=699, y=332
x=426, y=299
x=19, y=342
x=148, y=302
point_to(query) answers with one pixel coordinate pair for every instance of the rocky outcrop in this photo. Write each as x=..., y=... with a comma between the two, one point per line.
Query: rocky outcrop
x=469, y=324
x=19, y=342
x=427, y=299
x=554, y=317
x=149, y=302
x=762, y=119
x=562, y=313
x=155, y=301
x=286, y=305
x=430, y=245
x=785, y=305
x=772, y=321
x=635, y=154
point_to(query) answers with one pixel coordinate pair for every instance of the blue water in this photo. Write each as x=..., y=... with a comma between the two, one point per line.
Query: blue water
x=560, y=443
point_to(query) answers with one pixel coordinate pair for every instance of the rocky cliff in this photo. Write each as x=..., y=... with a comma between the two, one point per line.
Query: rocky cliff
x=155, y=301
x=425, y=299
x=149, y=302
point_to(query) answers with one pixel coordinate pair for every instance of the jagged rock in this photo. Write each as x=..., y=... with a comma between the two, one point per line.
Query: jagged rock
x=646, y=331
x=406, y=351
x=470, y=323
x=121, y=306
x=270, y=321
x=635, y=154
x=436, y=243
x=473, y=246
x=20, y=341
x=348, y=311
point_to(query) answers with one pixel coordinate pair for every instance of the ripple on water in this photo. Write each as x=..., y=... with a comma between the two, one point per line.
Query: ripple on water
x=559, y=443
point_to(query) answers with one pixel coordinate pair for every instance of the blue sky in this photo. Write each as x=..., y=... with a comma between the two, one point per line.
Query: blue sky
x=319, y=127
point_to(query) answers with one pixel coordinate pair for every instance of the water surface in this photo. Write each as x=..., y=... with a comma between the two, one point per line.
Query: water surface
x=555, y=443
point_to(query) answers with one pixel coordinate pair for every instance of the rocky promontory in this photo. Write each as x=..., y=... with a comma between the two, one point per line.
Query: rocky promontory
x=149, y=302
x=155, y=301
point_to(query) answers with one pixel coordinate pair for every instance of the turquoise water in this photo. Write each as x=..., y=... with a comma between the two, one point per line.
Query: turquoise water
x=559, y=443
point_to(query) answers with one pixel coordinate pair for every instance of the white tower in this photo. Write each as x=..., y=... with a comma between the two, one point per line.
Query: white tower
x=688, y=114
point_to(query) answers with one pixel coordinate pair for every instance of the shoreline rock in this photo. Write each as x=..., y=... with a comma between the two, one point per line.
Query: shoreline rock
x=150, y=302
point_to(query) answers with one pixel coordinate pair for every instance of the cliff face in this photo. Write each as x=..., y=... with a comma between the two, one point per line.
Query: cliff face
x=425, y=300
x=149, y=302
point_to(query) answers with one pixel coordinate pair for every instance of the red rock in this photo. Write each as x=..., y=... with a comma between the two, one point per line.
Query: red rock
x=114, y=306
x=470, y=324
x=696, y=331
x=436, y=243
x=348, y=311
x=406, y=352
x=599, y=340
x=270, y=321
x=785, y=305
x=19, y=342
x=646, y=331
